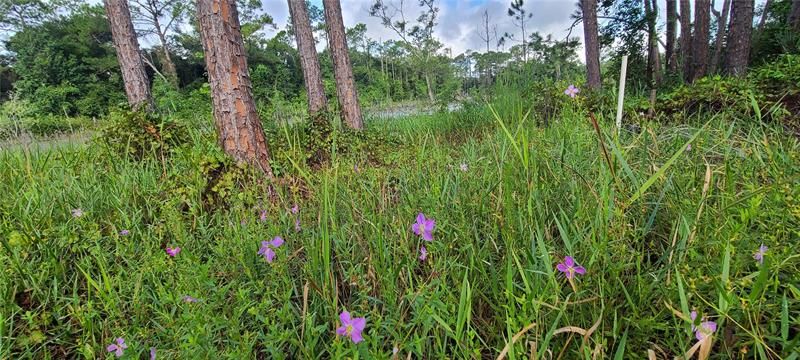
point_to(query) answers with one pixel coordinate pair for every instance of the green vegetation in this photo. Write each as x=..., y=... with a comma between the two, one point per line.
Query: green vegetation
x=490, y=208
x=661, y=231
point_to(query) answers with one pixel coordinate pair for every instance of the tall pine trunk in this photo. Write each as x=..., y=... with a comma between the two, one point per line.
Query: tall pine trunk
x=237, y=122
x=342, y=70
x=702, y=9
x=312, y=75
x=686, y=39
x=672, y=29
x=739, y=37
x=794, y=15
x=591, y=44
x=137, y=85
x=722, y=23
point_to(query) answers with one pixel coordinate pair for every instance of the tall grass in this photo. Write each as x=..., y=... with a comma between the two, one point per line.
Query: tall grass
x=662, y=230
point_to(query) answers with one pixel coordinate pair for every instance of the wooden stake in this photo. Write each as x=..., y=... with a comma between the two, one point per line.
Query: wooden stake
x=621, y=96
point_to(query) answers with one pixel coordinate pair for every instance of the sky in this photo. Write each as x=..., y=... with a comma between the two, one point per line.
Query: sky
x=459, y=19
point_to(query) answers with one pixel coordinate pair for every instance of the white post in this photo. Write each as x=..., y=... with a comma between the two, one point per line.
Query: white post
x=621, y=96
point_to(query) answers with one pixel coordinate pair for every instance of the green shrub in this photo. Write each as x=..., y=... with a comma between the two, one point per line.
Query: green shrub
x=710, y=94
x=141, y=136
x=46, y=125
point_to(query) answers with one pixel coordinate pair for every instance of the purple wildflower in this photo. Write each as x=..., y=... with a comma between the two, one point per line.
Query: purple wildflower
x=172, y=252
x=568, y=267
x=689, y=147
x=423, y=253
x=117, y=348
x=77, y=212
x=189, y=299
x=152, y=353
x=572, y=91
x=124, y=233
x=263, y=216
x=705, y=329
x=351, y=328
x=424, y=227
x=297, y=225
x=464, y=167
x=268, y=248
x=295, y=209
x=759, y=255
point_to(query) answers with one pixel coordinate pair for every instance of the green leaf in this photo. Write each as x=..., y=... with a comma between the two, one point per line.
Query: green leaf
x=650, y=181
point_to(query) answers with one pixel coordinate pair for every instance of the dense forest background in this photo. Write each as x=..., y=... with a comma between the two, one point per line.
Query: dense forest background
x=58, y=58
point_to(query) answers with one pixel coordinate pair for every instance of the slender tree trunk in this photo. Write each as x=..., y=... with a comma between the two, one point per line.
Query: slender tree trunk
x=169, y=66
x=739, y=37
x=431, y=97
x=237, y=122
x=342, y=70
x=672, y=29
x=137, y=85
x=317, y=102
x=686, y=39
x=702, y=19
x=764, y=15
x=653, y=54
x=794, y=15
x=591, y=43
x=722, y=22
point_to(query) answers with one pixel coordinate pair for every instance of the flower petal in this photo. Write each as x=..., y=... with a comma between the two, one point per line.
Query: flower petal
x=569, y=261
x=269, y=255
x=580, y=270
x=356, y=337
x=415, y=228
x=420, y=218
x=344, y=317
x=111, y=348
x=360, y=323
x=427, y=236
x=430, y=224
x=276, y=242
x=341, y=331
x=561, y=267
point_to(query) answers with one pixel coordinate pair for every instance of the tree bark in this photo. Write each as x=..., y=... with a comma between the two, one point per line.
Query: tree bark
x=739, y=37
x=237, y=122
x=764, y=14
x=700, y=38
x=591, y=43
x=686, y=39
x=653, y=54
x=794, y=15
x=672, y=24
x=137, y=85
x=312, y=75
x=342, y=69
x=722, y=22
x=169, y=66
